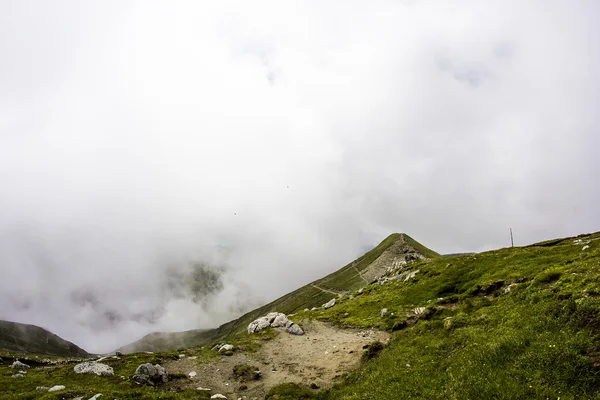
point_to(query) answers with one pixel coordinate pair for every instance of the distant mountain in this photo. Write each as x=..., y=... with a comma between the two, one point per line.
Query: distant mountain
x=396, y=249
x=31, y=339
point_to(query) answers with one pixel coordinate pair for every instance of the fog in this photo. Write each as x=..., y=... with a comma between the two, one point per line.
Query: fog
x=272, y=142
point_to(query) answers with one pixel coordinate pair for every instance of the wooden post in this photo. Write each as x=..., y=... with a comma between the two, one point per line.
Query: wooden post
x=512, y=243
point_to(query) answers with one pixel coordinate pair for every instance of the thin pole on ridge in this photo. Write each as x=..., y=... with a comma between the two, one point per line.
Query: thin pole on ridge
x=512, y=243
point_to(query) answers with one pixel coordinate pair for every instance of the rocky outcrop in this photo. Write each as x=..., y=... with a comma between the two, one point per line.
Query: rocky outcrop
x=19, y=365
x=148, y=374
x=94, y=368
x=274, y=320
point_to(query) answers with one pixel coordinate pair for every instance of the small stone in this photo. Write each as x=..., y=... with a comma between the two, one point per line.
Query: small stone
x=419, y=310
x=585, y=247
x=218, y=396
x=192, y=374
x=314, y=309
x=205, y=389
x=17, y=376
x=225, y=347
x=329, y=304
x=96, y=396
x=181, y=355
x=295, y=330
x=383, y=312
x=56, y=388
x=306, y=309
x=44, y=388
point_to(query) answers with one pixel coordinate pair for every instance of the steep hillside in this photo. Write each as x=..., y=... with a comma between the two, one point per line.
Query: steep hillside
x=31, y=339
x=396, y=250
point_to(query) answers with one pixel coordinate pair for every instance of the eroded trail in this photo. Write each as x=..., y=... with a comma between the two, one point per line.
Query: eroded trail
x=320, y=356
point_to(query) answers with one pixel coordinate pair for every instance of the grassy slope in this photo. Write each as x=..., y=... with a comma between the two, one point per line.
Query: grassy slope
x=343, y=280
x=23, y=338
x=540, y=340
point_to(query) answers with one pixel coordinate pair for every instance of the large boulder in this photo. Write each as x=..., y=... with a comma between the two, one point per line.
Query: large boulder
x=149, y=374
x=19, y=365
x=265, y=322
x=94, y=368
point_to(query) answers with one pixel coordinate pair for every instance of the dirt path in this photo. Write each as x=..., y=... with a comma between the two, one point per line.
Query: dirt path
x=320, y=356
x=325, y=290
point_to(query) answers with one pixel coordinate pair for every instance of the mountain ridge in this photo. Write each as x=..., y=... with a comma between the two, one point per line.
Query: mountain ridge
x=31, y=339
x=396, y=248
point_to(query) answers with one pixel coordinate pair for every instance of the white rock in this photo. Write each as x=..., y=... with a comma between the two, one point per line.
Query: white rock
x=19, y=365
x=585, y=247
x=217, y=396
x=96, y=396
x=280, y=320
x=17, y=376
x=259, y=324
x=201, y=388
x=306, y=309
x=329, y=304
x=181, y=355
x=314, y=309
x=192, y=358
x=44, y=388
x=93, y=368
x=419, y=310
x=56, y=388
x=225, y=347
x=295, y=330
x=411, y=275
x=383, y=312
x=192, y=374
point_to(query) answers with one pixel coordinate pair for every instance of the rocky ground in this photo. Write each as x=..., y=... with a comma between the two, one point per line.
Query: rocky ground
x=318, y=358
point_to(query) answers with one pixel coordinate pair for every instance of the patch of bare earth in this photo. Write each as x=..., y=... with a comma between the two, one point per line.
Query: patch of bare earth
x=319, y=357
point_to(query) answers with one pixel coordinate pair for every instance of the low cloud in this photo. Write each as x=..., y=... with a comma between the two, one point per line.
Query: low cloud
x=167, y=167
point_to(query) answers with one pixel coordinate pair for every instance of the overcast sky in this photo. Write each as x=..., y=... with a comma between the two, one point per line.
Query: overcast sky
x=277, y=140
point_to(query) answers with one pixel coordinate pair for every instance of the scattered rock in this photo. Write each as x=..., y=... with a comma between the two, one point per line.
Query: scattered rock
x=96, y=396
x=44, y=388
x=360, y=291
x=305, y=310
x=192, y=374
x=419, y=310
x=274, y=320
x=181, y=355
x=329, y=304
x=19, y=365
x=314, y=309
x=205, y=389
x=17, y=376
x=150, y=374
x=217, y=396
x=56, y=388
x=295, y=330
x=216, y=347
x=383, y=312
x=585, y=247
x=93, y=368
x=226, y=347
x=259, y=324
